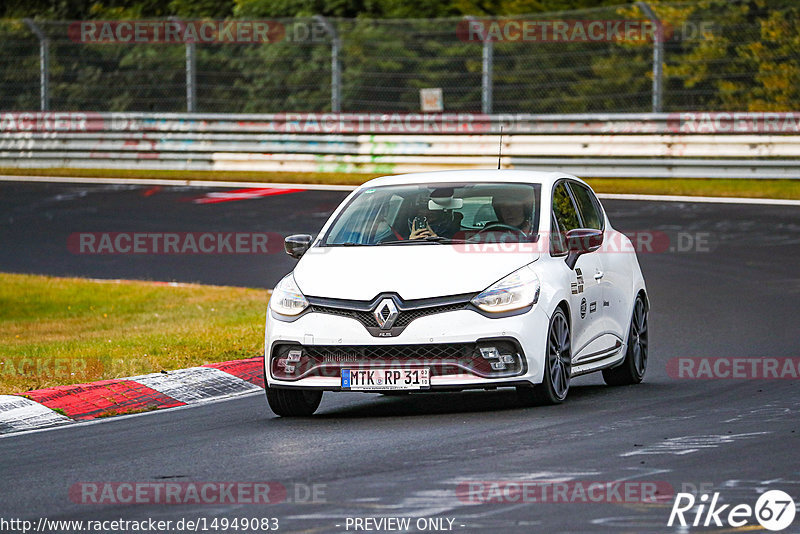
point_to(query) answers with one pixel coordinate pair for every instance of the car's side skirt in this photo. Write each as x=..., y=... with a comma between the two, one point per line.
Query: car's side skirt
x=600, y=360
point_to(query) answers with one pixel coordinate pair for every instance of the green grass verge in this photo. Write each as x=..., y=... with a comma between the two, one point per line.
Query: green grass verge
x=341, y=178
x=787, y=189
x=57, y=331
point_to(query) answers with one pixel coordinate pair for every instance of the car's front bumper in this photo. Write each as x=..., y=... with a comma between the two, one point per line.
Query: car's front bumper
x=341, y=342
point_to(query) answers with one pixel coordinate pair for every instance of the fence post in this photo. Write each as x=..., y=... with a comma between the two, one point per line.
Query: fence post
x=487, y=66
x=44, y=65
x=191, y=78
x=486, y=76
x=336, y=68
x=658, y=57
x=190, y=69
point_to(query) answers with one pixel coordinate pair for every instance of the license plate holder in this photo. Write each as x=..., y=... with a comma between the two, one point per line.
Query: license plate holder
x=386, y=379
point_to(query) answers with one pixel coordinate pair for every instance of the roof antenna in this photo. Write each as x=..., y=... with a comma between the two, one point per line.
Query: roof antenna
x=500, y=149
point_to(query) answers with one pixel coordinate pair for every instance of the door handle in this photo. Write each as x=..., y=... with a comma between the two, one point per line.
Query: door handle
x=598, y=275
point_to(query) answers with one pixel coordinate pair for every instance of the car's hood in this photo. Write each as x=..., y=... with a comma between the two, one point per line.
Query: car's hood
x=412, y=271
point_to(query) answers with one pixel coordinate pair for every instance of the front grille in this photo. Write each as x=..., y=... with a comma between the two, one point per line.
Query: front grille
x=404, y=317
x=367, y=353
x=441, y=358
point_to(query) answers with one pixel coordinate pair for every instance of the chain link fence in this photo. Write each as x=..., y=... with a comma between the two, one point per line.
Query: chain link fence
x=706, y=55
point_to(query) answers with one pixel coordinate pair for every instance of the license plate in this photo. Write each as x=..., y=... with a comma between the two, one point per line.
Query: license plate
x=368, y=379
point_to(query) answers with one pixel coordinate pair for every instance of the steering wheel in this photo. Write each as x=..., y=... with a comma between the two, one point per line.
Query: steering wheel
x=397, y=234
x=494, y=226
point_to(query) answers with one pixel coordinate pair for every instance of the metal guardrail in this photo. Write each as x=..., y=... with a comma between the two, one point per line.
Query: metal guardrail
x=709, y=145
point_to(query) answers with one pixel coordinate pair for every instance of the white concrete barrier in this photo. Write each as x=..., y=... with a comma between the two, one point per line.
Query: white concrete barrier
x=745, y=145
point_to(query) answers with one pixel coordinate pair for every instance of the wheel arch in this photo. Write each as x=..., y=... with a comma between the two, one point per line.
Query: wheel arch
x=643, y=293
x=564, y=305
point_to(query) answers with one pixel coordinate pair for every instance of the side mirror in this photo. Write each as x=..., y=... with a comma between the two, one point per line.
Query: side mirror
x=582, y=241
x=297, y=245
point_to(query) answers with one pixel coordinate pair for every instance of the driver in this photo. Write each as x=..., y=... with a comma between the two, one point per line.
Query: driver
x=513, y=211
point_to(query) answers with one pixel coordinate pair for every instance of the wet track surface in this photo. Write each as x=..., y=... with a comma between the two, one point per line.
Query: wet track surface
x=406, y=456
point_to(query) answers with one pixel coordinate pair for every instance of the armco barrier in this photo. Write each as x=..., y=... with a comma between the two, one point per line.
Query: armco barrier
x=729, y=145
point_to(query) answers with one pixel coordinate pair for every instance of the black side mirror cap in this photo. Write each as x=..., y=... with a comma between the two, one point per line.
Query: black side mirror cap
x=297, y=245
x=582, y=241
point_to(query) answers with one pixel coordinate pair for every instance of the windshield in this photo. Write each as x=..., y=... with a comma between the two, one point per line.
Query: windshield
x=437, y=213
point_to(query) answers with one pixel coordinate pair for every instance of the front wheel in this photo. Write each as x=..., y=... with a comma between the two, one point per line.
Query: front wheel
x=293, y=402
x=632, y=369
x=557, y=366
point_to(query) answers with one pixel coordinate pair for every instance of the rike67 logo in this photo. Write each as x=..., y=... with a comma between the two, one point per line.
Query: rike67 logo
x=774, y=510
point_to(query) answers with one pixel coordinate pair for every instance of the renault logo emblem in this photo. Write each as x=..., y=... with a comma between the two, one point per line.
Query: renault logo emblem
x=386, y=314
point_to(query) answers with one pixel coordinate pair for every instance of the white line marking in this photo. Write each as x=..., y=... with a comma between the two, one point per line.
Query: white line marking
x=330, y=187
x=158, y=181
x=690, y=444
x=709, y=200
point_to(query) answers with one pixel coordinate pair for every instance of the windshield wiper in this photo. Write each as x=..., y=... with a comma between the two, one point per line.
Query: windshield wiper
x=349, y=244
x=444, y=240
x=429, y=239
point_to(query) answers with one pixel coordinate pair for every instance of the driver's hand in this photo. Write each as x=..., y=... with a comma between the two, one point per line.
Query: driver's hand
x=420, y=233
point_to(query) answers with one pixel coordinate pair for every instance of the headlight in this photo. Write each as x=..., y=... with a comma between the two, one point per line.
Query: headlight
x=517, y=290
x=286, y=297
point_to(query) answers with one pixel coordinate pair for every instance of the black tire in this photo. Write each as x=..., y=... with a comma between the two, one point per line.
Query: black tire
x=293, y=402
x=633, y=367
x=557, y=368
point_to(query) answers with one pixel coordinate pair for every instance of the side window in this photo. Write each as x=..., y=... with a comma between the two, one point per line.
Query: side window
x=588, y=207
x=564, y=209
x=566, y=218
x=558, y=243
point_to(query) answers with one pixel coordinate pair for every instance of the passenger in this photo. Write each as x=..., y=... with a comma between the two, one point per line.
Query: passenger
x=434, y=223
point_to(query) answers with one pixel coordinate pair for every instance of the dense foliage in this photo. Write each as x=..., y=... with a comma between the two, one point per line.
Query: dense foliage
x=718, y=55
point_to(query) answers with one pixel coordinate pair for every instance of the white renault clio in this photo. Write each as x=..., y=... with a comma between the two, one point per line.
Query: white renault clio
x=454, y=280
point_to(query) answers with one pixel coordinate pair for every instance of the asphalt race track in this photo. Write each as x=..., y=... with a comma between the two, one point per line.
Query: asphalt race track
x=735, y=295
x=36, y=221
